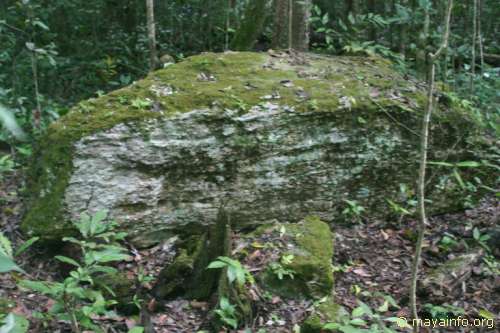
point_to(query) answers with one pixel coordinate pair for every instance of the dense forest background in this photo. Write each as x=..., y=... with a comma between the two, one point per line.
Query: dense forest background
x=56, y=53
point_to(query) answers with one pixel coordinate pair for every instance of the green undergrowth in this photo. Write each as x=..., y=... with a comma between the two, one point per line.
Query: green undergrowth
x=239, y=81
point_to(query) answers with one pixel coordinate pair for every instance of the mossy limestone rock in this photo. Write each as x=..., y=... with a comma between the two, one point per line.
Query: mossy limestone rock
x=310, y=245
x=326, y=312
x=274, y=136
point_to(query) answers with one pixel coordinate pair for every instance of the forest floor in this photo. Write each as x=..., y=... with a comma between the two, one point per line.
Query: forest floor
x=372, y=261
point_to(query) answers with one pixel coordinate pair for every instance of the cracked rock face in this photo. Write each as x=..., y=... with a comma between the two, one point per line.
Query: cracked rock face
x=270, y=159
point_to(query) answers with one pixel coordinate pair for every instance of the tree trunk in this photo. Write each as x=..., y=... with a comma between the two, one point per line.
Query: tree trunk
x=296, y=34
x=390, y=10
x=421, y=56
x=474, y=39
x=153, y=56
x=280, y=33
x=251, y=27
x=300, y=27
x=480, y=35
x=351, y=7
x=372, y=33
x=403, y=33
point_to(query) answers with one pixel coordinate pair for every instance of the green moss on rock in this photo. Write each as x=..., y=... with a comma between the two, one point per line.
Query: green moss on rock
x=324, y=313
x=311, y=265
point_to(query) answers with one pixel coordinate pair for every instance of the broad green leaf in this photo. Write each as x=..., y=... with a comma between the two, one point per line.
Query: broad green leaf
x=231, y=274
x=5, y=246
x=367, y=310
x=331, y=326
x=231, y=322
x=102, y=269
x=217, y=264
x=384, y=307
x=42, y=287
x=468, y=164
x=105, y=256
x=357, y=322
x=8, y=120
x=486, y=314
x=67, y=260
x=224, y=303
x=351, y=19
x=358, y=312
x=83, y=225
x=391, y=301
x=137, y=329
x=325, y=19
x=40, y=24
x=26, y=245
x=229, y=261
x=108, y=289
x=76, y=291
x=476, y=234
x=96, y=225
x=484, y=238
x=7, y=265
x=240, y=276
x=14, y=323
x=72, y=240
x=458, y=178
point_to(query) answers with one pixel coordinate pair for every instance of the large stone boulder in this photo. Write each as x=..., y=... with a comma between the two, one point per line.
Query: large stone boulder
x=268, y=136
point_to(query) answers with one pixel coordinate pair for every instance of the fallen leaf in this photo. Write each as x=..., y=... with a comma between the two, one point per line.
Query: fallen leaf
x=361, y=272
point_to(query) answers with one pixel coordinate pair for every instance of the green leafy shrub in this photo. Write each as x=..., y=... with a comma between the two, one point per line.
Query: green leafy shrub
x=12, y=323
x=364, y=319
x=235, y=270
x=227, y=313
x=280, y=268
x=353, y=211
x=77, y=300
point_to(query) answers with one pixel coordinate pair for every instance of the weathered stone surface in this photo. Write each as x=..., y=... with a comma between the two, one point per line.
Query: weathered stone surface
x=271, y=137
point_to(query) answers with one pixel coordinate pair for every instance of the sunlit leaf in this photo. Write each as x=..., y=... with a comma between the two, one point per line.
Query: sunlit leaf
x=14, y=323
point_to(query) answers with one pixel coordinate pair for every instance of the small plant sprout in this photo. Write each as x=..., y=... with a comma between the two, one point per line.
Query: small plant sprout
x=353, y=210
x=279, y=268
x=481, y=239
x=399, y=210
x=364, y=319
x=227, y=313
